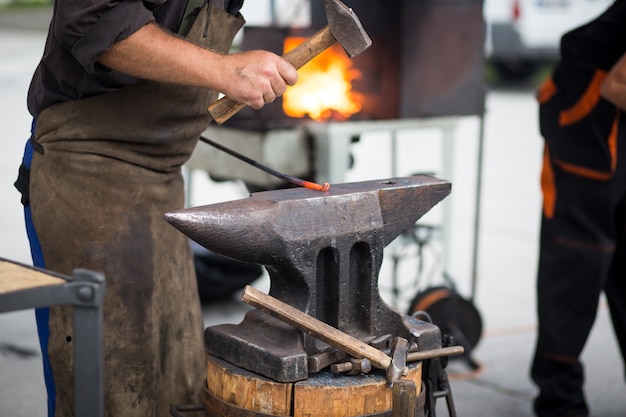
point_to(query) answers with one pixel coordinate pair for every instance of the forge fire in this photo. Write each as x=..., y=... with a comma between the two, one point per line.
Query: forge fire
x=324, y=88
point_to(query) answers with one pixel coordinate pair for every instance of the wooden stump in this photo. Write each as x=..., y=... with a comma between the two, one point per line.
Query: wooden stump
x=321, y=395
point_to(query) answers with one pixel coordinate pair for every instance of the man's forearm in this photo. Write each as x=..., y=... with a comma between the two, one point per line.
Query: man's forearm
x=151, y=53
x=253, y=78
x=614, y=86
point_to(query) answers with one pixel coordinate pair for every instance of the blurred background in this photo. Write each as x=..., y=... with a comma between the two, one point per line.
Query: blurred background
x=447, y=89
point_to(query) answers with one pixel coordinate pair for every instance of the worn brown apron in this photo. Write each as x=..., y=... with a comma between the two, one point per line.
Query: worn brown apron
x=106, y=170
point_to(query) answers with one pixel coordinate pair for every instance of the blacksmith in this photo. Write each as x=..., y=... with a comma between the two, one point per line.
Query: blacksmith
x=119, y=100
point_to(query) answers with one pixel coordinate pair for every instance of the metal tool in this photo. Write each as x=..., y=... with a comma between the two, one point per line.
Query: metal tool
x=394, y=365
x=410, y=357
x=353, y=366
x=399, y=348
x=343, y=27
x=436, y=381
x=293, y=180
x=323, y=252
x=434, y=353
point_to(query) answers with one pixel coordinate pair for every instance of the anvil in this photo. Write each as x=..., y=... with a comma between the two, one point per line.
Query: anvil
x=323, y=252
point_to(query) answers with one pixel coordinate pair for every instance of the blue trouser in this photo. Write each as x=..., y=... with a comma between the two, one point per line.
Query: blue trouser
x=41, y=314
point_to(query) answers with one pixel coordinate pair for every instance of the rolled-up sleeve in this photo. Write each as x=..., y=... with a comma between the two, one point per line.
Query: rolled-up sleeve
x=89, y=27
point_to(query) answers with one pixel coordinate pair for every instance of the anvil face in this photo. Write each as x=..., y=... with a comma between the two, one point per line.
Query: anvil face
x=323, y=251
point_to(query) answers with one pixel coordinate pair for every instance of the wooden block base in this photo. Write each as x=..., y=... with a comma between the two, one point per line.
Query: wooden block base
x=321, y=395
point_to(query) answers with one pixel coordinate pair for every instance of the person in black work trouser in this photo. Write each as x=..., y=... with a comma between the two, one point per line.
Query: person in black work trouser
x=583, y=232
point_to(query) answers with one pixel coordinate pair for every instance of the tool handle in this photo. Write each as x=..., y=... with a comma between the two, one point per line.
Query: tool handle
x=309, y=49
x=314, y=327
x=225, y=108
x=434, y=353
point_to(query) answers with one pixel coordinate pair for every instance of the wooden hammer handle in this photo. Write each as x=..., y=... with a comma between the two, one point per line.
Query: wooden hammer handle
x=225, y=108
x=314, y=327
x=310, y=48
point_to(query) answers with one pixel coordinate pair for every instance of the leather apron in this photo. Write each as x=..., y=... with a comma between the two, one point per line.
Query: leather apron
x=105, y=170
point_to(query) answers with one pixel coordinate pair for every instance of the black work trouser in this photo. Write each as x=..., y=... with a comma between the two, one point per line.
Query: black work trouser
x=583, y=252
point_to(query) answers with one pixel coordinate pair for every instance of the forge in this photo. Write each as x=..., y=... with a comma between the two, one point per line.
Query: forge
x=424, y=69
x=426, y=60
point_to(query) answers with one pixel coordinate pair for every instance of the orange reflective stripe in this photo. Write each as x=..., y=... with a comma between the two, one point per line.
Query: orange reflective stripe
x=584, y=172
x=586, y=103
x=613, y=141
x=546, y=91
x=548, y=187
x=592, y=173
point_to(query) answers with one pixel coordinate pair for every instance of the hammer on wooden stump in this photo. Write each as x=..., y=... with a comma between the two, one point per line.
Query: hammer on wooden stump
x=343, y=27
x=394, y=365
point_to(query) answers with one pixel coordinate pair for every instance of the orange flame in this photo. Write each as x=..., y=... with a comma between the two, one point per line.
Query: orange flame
x=324, y=86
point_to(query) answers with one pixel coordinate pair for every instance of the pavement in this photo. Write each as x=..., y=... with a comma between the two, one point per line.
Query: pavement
x=507, y=243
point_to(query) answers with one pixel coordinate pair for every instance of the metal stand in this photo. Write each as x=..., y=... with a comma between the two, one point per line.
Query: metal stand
x=85, y=291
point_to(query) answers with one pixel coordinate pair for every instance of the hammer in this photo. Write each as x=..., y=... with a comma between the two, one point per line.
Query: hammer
x=394, y=365
x=343, y=27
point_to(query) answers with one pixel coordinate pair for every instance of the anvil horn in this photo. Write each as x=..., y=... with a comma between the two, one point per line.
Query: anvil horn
x=250, y=229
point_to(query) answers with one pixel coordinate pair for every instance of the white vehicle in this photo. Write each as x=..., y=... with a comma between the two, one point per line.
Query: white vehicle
x=522, y=34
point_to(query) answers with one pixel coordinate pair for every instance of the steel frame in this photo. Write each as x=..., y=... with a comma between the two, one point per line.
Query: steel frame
x=85, y=292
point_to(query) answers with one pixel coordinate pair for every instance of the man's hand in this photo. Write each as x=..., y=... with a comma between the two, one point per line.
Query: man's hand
x=256, y=78
x=253, y=78
x=614, y=86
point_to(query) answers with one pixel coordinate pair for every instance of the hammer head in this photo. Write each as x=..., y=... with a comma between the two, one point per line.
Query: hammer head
x=346, y=28
x=399, y=348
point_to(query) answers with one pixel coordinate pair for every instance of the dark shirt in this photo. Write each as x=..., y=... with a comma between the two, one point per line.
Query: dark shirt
x=601, y=42
x=81, y=30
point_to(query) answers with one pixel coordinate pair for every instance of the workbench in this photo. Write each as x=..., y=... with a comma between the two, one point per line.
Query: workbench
x=24, y=287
